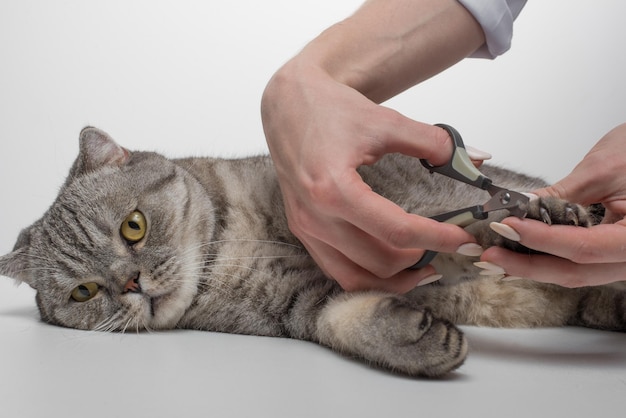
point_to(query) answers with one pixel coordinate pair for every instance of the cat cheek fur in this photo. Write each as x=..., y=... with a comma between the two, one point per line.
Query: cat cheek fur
x=176, y=249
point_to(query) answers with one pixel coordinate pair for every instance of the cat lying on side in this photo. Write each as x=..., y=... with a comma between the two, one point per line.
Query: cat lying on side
x=136, y=241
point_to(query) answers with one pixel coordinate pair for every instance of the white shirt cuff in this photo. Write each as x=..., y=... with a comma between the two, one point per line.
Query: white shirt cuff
x=496, y=18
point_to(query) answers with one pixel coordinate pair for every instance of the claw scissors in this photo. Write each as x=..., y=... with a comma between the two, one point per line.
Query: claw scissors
x=460, y=168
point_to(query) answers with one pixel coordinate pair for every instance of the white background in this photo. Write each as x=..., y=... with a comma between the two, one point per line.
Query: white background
x=185, y=77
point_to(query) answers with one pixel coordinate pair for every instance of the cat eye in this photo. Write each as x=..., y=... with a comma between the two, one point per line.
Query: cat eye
x=85, y=291
x=133, y=228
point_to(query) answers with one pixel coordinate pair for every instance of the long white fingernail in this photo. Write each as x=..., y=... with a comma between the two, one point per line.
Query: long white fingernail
x=531, y=196
x=430, y=279
x=489, y=269
x=491, y=275
x=476, y=154
x=511, y=278
x=505, y=230
x=470, y=249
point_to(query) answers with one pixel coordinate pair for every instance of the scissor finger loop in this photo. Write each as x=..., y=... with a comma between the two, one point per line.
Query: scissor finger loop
x=461, y=168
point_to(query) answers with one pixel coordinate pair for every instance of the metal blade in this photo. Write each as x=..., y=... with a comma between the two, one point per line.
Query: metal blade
x=501, y=198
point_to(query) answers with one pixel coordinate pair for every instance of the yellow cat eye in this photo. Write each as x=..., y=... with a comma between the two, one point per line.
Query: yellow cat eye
x=85, y=291
x=133, y=228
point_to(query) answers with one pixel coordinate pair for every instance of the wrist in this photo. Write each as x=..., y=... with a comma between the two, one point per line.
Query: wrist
x=388, y=46
x=347, y=56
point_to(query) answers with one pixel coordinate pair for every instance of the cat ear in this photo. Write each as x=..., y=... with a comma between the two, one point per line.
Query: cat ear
x=98, y=149
x=15, y=264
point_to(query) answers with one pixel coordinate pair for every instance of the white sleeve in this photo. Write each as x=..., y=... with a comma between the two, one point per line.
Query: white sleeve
x=496, y=18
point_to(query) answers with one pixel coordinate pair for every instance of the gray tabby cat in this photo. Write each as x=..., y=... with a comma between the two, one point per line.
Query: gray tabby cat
x=137, y=241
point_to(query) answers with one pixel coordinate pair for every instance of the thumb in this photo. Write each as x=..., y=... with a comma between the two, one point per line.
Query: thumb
x=573, y=188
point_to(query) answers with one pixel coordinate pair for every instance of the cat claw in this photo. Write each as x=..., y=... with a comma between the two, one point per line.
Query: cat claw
x=571, y=217
x=545, y=215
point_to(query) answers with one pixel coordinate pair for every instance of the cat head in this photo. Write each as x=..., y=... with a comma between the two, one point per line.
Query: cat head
x=120, y=248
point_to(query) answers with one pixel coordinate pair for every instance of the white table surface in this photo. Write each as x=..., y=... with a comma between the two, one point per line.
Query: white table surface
x=51, y=371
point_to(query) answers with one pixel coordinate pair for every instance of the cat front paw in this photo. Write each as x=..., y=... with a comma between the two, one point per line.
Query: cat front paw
x=392, y=333
x=554, y=211
x=550, y=210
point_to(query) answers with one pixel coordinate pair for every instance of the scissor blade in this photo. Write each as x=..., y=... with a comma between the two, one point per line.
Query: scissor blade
x=516, y=203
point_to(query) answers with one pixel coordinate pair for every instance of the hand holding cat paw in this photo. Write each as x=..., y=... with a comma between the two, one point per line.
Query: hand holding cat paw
x=579, y=256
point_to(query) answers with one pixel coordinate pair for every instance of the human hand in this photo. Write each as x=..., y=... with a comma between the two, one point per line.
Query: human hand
x=584, y=256
x=322, y=121
x=319, y=131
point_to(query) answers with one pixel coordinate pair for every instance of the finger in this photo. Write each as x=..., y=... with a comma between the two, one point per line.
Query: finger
x=583, y=187
x=379, y=258
x=352, y=277
x=603, y=243
x=406, y=136
x=477, y=156
x=375, y=256
x=424, y=141
x=387, y=222
x=477, y=163
x=550, y=269
x=569, y=189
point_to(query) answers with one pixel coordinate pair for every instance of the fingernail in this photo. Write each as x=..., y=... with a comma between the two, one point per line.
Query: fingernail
x=476, y=154
x=430, y=279
x=489, y=269
x=491, y=275
x=531, y=196
x=470, y=249
x=505, y=230
x=511, y=278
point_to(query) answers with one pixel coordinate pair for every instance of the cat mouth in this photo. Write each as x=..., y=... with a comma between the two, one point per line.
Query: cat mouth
x=152, y=306
x=163, y=308
x=156, y=304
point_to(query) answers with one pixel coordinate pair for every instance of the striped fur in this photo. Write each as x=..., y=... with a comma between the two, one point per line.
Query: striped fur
x=218, y=256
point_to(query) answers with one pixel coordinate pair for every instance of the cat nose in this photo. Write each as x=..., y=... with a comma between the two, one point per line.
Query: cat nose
x=133, y=285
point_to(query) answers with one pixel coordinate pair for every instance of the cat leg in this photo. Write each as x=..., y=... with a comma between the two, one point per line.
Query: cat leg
x=602, y=307
x=492, y=302
x=392, y=333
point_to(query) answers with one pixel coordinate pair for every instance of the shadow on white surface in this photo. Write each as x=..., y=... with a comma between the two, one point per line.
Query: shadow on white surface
x=572, y=347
